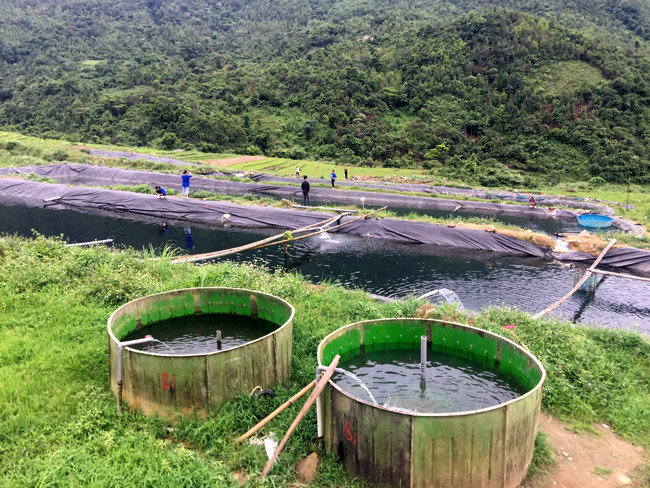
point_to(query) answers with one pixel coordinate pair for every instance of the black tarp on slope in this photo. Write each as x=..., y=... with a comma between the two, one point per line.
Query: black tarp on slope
x=628, y=258
x=80, y=174
x=211, y=213
x=544, y=200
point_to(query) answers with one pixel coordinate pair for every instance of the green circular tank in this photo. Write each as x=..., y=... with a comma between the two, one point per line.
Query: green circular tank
x=195, y=383
x=486, y=448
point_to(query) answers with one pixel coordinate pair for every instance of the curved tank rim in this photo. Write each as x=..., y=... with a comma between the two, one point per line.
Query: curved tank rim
x=433, y=414
x=139, y=351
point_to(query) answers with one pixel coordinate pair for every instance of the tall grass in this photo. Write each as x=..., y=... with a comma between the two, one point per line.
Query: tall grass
x=58, y=425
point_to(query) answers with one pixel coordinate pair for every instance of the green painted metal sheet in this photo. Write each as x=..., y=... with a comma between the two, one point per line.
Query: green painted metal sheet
x=171, y=384
x=488, y=448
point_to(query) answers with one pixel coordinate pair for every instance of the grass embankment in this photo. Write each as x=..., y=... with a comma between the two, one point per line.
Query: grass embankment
x=53, y=149
x=323, y=169
x=58, y=423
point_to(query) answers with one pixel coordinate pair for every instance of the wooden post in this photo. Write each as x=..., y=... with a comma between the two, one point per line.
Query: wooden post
x=275, y=413
x=322, y=382
x=578, y=285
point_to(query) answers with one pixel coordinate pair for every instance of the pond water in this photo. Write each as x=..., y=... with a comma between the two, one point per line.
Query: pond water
x=381, y=267
x=548, y=226
x=197, y=334
x=447, y=384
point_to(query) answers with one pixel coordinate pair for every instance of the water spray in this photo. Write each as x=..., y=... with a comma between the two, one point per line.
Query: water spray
x=319, y=412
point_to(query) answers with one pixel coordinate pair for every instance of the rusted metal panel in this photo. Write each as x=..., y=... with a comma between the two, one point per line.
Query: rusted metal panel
x=373, y=444
x=488, y=448
x=460, y=451
x=171, y=384
x=165, y=385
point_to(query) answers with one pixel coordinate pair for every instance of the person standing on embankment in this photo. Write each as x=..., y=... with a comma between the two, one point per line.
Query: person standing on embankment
x=305, y=187
x=186, y=184
x=333, y=175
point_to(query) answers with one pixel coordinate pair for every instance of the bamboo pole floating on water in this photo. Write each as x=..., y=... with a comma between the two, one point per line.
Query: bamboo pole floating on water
x=579, y=284
x=275, y=413
x=365, y=216
x=246, y=247
x=322, y=382
x=619, y=275
x=269, y=241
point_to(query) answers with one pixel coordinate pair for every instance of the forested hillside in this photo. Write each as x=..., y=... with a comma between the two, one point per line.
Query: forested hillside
x=554, y=89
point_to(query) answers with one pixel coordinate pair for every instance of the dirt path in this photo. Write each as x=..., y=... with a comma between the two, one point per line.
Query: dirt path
x=588, y=461
x=230, y=161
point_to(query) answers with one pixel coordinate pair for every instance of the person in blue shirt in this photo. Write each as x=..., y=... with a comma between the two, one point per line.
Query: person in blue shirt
x=333, y=178
x=186, y=184
x=160, y=191
x=189, y=242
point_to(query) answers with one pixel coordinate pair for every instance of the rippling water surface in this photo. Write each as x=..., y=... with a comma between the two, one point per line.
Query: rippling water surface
x=447, y=384
x=381, y=267
x=198, y=333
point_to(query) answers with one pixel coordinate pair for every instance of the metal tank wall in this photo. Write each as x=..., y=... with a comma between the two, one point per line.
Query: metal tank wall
x=194, y=383
x=487, y=448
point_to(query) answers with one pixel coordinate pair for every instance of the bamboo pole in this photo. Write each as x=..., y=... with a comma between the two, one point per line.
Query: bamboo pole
x=90, y=243
x=275, y=413
x=578, y=285
x=246, y=247
x=325, y=208
x=322, y=382
x=365, y=216
x=619, y=275
x=269, y=241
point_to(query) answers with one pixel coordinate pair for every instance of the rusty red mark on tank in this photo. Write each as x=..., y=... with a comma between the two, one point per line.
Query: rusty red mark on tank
x=167, y=381
x=349, y=435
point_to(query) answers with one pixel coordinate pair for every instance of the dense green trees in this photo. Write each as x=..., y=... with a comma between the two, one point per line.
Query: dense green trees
x=493, y=96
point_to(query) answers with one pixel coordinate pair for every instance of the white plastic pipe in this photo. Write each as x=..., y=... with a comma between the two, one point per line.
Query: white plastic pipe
x=120, y=346
x=319, y=406
x=423, y=353
x=319, y=410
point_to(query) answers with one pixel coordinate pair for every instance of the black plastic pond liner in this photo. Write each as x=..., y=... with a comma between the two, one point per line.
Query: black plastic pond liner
x=544, y=200
x=79, y=174
x=213, y=213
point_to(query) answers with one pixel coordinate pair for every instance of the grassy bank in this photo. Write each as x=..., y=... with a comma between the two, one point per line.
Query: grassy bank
x=58, y=425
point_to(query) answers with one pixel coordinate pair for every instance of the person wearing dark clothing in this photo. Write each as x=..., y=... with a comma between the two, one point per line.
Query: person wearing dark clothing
x=160, y=191
x=345, y=170
x=305, y=192
x=162, y=229
x=333, y=175
x=186, y=183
